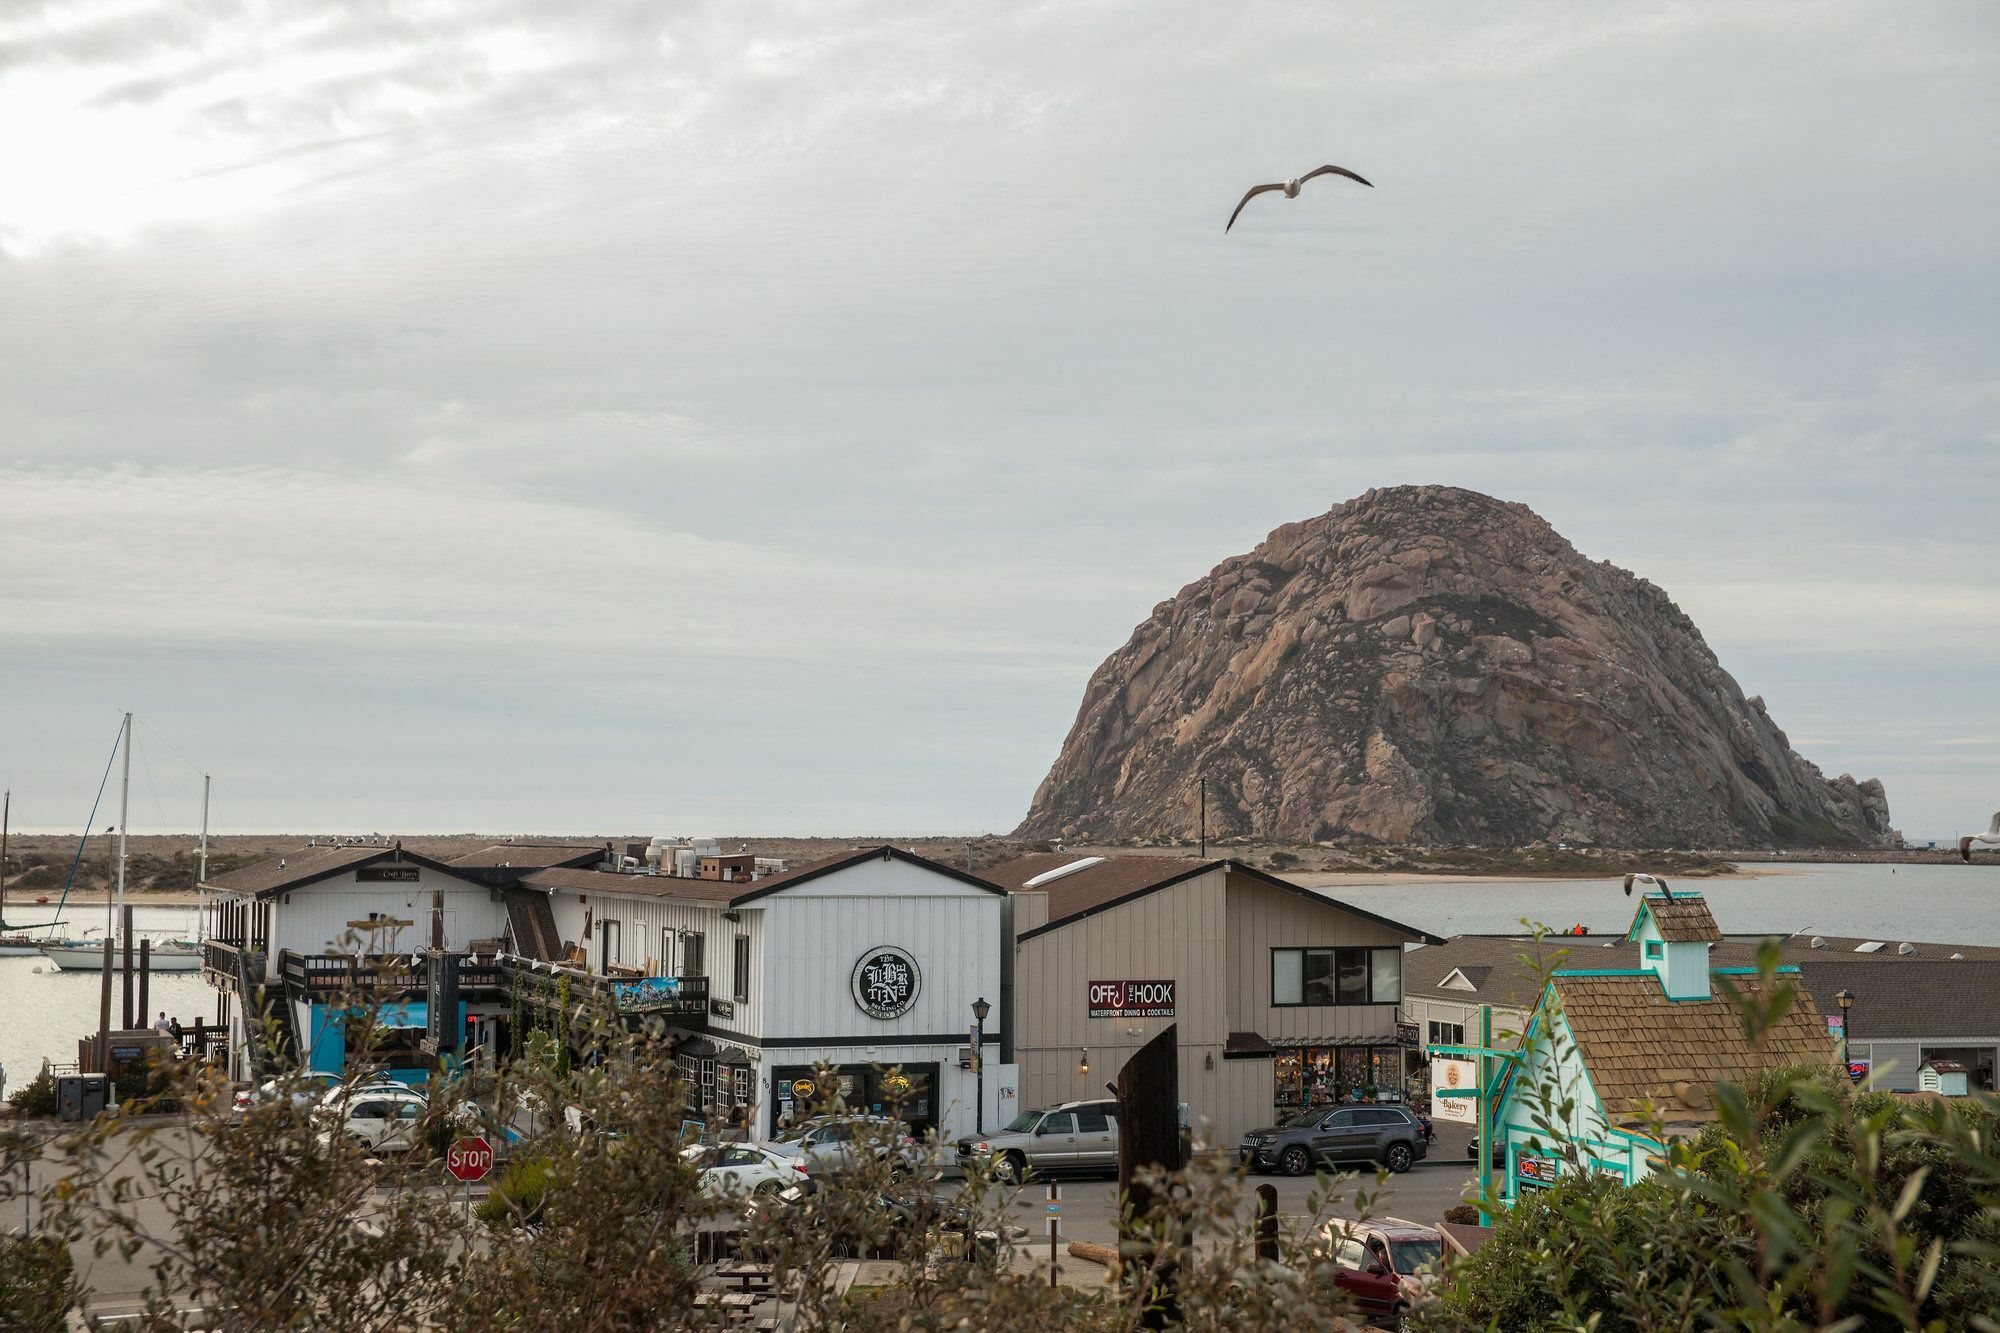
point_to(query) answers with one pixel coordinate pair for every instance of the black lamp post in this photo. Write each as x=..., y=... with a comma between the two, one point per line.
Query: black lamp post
x=979, y=1011
x=1846, y=999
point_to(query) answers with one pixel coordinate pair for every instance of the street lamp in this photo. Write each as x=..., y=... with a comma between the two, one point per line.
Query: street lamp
x=979, y=1011
x=1846, y=999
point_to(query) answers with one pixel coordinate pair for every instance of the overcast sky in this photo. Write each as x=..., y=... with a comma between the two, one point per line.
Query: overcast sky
x=762, y=418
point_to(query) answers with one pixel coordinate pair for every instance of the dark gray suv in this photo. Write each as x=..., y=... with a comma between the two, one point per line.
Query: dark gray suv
x=1337, y=1136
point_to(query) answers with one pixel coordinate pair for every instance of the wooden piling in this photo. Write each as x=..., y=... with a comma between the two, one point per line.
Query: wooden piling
x=145, y=972
x=104, y=1013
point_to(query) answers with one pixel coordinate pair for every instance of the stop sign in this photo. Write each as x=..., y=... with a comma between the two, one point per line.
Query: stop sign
x=469, y=1159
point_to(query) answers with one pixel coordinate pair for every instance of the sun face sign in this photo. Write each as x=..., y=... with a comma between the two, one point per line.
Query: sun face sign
x=886, y=982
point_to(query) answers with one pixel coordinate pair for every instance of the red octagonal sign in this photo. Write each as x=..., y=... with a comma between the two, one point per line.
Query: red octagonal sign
x=469, y=1159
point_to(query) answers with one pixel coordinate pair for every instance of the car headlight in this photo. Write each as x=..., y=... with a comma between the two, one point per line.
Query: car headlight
x=982, y=1148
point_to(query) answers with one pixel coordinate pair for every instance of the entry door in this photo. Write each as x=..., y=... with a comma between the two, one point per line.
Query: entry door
x=609, y=953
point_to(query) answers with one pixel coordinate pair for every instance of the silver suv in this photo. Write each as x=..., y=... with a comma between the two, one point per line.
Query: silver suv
x=1075, y=1138
x=829, y=1145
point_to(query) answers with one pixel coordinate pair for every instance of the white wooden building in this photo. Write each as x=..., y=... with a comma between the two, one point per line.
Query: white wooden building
x=870, y=962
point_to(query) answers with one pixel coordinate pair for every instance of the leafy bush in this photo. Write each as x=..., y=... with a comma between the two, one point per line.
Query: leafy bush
x=35, y=1097
x=520, y=1193
x=37, y=1284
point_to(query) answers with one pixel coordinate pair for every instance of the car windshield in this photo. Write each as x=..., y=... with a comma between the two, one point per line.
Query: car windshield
x=1410, y=1255
x=1302, y=1119
x=1024, y=1123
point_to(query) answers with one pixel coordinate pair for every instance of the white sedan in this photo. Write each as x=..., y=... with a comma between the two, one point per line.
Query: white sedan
x=744, y=1168
x=380, y=1119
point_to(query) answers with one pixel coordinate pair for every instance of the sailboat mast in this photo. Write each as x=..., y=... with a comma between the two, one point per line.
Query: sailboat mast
x=6, y=809
x=201, y=873
x=124, y=813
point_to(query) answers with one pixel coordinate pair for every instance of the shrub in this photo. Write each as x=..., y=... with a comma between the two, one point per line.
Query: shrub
x=520, y=1194
x=37, y=1096
x=37, y=1283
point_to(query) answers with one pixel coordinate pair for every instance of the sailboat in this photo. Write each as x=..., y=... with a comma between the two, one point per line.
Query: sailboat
x=87, y=955
x=15, y=941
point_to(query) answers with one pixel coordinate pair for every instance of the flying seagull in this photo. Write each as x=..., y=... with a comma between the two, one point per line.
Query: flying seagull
x=1291, y=188
x=1652, y=880
x=1988, y=841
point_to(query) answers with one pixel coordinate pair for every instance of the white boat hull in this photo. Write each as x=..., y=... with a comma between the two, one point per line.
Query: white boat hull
x=10, y=949
x=90, y=958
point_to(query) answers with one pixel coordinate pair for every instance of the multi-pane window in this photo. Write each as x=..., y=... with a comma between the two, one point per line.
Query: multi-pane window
x=1336, y=976
x=1447, y=1034
x=742, y=987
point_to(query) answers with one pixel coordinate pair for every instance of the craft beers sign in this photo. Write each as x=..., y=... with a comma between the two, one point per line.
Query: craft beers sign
x=1131, y=999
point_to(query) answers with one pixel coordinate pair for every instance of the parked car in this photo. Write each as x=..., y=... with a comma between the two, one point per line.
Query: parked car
x=1075, y=1138
x=341, y=1090
x=381, y=1120
x=1499, y=1151
x=744, y=1168
x=1383, y=1265
x=1336, y=1135
x=835, y=1143
x=905, y=1212
x=305, y=1090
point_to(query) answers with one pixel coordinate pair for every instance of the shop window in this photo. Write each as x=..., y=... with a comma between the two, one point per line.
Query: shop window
x=1336, y=976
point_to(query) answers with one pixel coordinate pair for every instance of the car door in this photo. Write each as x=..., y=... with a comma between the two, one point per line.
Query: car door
x=368, y=1120
x=1333, y=1139
x=399, y=1127
x=1096, y=1141
x=1055, y=1141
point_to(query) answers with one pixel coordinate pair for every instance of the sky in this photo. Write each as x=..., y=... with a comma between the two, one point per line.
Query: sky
x=762, y=418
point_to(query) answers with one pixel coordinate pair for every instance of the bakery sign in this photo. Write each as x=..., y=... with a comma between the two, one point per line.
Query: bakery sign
x=1131, y=999
x=885, y=982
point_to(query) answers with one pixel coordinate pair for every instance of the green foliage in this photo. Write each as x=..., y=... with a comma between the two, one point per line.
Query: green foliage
x=37, y=1283
x=35, y=1097
x=520, y=1192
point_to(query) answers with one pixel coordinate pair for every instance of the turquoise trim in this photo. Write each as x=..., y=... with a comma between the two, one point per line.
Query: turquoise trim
x=1748, y=971
x=1655, y=950
x=1607, y=972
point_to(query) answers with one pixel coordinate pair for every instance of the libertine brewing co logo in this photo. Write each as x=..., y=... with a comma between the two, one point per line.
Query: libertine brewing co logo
x=885, y=982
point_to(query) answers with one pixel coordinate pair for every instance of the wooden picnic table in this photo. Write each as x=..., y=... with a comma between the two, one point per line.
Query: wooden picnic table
x=748, y=1277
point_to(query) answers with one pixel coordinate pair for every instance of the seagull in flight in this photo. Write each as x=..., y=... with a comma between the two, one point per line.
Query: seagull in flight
x=1650, y=881
x=1988, y=841
x=1291, y=188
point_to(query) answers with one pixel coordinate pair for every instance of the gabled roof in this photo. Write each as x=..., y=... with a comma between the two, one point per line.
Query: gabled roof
x=1936, y=998
x=308, y=865
x=1469, y=978
x=1683, y=918
x=528, y=856
x=735, y=894
x=1637, y=1045
x=1112, y=881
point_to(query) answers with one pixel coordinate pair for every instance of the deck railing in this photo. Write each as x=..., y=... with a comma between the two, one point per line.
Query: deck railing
x=224, y=963
x=684, y=998
x=335, y=974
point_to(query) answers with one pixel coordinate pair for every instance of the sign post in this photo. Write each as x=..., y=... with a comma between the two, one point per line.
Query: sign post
x=1054, y=1207
x=468, y=1160
x=1488, y=1066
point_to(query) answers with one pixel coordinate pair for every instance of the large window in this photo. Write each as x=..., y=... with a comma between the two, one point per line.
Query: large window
x=742, y=988
x=691, y=962
x=1336, y=976
x=1447, y=1034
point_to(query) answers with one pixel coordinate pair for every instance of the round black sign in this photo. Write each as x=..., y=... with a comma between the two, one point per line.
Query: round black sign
x=886, y=982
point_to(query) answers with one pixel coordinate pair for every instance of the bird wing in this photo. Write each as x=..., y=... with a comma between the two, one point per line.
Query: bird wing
x=1255, y=190
x=1335, y=171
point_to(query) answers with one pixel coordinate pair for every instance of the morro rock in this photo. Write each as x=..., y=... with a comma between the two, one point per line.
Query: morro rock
x=1430, y=665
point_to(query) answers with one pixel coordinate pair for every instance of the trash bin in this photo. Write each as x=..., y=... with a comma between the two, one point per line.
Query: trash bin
x=82, y=1096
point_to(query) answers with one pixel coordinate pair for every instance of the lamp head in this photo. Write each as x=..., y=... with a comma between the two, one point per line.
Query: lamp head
x=980, y=1009
x=1846, y=999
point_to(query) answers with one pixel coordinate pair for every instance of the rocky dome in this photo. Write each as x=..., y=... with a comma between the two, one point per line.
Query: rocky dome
x=1426, y=664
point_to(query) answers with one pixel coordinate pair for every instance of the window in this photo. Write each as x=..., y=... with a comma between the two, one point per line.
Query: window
x=1447, y=1034
x=742, y=988
x=1336, y=976
x=1654, y=951
x=691, y=960
x=1092, y=1122
x=1058, y=1122
x=1350, y=1254
x=1342, y=1120
x=1379, y=1117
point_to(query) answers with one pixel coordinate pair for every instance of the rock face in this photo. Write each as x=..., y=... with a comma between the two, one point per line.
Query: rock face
x=1431, y=665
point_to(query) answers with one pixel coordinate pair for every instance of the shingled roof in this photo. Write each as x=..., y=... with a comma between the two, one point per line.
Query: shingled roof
x=280, y=874
x=529, y=856
x=1640, y=1046
x=1682, y=919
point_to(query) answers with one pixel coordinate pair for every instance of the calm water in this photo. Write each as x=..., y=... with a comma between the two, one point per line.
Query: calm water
x=43, y=1012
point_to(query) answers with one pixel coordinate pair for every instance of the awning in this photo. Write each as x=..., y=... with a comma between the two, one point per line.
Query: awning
x=1247, y=1046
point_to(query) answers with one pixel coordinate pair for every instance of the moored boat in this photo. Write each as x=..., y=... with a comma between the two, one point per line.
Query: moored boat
x=86, y=955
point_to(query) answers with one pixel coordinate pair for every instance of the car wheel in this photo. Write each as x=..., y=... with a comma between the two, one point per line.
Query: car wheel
x=1398, y=1158
x=1295, y=1161
x=767, y=1188
x=1010, y=1169
x=1399, y=1316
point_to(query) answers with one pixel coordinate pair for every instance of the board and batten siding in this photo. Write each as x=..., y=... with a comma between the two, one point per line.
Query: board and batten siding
x=313, y=919
x=642, y=922
x=1262, y=918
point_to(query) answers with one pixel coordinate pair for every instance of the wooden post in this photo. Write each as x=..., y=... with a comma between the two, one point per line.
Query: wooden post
x=1267, y=1223
x=1149, y=1135
x=1055, y=1232
x=145, y=971
x=104, y=1013
x=125, y=925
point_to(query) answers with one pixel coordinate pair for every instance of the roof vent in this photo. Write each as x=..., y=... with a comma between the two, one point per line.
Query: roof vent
x=1050, y=876
x=1872, y=946
x=1819, y=941
x=1906, y=949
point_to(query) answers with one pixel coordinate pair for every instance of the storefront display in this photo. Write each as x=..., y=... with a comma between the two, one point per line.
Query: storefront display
x=909, y=1093
x=1304, y=1076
